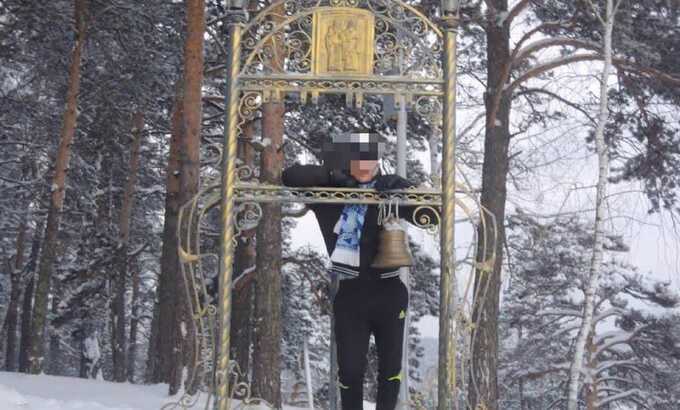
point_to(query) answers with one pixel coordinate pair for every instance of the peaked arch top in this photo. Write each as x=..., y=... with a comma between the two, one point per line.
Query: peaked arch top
x=358, y=46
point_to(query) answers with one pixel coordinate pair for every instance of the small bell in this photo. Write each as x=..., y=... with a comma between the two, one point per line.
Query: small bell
x=392, y=250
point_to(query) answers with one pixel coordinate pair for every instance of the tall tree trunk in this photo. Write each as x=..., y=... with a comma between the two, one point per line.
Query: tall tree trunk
x=591, y=394
x=163, y=347
x=27, y=303
x=120, y=264
x=598, y=237
x=190, y=163
x=245, y=260
x=68, y=130
x=134, y=323
x=12, y=318
x=55, y=364
x=267, y=330
x=483, y=387
x=26, y=318
x=267, y=327
x=152, y=353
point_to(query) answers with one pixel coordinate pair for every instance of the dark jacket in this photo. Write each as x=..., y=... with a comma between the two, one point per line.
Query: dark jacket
x=328, y=215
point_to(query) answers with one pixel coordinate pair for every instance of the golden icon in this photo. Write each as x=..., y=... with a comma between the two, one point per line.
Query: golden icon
x=343, y=41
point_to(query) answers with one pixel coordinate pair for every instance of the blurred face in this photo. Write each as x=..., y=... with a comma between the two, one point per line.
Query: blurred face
x=363, y=170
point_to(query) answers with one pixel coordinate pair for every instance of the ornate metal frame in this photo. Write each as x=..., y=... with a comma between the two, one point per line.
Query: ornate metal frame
x=270, y=56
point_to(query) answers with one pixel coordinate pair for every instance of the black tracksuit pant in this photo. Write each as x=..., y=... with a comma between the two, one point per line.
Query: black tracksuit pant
x=362, y=307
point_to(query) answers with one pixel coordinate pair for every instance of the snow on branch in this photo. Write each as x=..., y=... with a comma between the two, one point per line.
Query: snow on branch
x=550, y=65
x=608, y=364
x=516, y=10
x=559, y=312
x=628, y=394
x=616, y=338
x=545, y=43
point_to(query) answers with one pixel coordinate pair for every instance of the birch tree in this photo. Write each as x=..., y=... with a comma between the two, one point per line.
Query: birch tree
x=585, y=332
x=632, y=347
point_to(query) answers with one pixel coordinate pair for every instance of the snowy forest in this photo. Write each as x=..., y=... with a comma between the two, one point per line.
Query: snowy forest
x=112, y=116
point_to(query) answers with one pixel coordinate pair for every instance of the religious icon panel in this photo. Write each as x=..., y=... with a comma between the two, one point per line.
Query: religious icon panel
x=343, y=42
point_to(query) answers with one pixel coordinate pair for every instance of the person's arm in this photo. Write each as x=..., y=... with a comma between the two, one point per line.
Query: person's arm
x=395, y=182
x=305, y=176
x=316, y=175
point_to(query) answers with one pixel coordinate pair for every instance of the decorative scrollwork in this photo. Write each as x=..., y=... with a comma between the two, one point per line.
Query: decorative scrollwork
x=241, y=390
x=341, y=85
x=248, y=193
x=430, y=109
x=198, y=269
x=344, y=3
x=248, y=215
x=427, y=218
x=245, y=173
x=280, y=39
x=248, y=108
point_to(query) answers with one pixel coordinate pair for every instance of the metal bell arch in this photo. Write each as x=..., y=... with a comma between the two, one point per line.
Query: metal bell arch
x=425, y=78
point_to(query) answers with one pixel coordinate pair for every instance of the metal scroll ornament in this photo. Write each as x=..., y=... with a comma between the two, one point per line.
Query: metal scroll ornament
x=342, y=38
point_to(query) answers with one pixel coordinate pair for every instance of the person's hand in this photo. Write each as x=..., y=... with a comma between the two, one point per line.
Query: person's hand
x=340, y=178
x=390, y=182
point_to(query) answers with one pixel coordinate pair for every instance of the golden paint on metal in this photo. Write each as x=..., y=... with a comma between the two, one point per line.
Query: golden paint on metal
x=227, y=243
x=294, y=30
x=338, y=85
x=253, y=192
x=343, y=41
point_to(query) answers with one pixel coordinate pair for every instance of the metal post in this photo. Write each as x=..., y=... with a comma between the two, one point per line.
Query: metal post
x=333, y=383
x=404, y=273
x=447, y=334
x=227, y=244
x=401, y=136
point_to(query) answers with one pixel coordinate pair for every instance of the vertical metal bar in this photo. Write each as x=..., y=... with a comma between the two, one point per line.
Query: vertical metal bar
x=401, y=136
x=404, y=273
x=333, y=383
x=447, y=334
x=227, y=244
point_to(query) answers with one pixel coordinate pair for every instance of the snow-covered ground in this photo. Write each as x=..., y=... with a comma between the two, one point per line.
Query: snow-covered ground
x=26, y=392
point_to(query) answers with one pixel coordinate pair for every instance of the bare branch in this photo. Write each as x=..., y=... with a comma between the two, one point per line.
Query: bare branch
x=550, y=65
x=517, y=9
x=543, y=44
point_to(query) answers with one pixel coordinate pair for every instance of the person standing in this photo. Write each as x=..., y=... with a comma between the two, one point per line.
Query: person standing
x=368, y=300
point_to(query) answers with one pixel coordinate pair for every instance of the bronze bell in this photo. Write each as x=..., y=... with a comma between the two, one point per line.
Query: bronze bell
x=392, y=250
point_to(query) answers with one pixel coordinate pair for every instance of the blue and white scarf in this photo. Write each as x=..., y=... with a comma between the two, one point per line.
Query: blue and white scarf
x=348, y=228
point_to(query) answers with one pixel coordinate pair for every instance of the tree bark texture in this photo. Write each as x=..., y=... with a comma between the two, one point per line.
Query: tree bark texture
x=483, y=387
x=164, y=346
x=27, y=302
x=267, y=328
x=119, y=347
x=152, y=352
x=12, y=317
x=39, y=321
x=134, y=323
x=190, y=167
